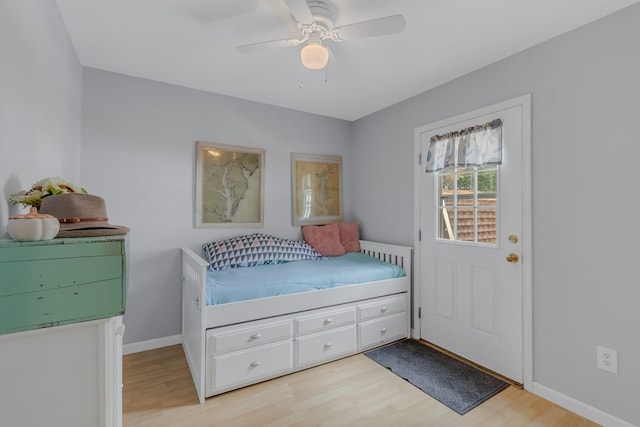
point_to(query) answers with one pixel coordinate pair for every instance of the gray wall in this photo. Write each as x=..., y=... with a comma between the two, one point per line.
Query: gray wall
x=40, y=99
x=585, y=88
x=138, y=153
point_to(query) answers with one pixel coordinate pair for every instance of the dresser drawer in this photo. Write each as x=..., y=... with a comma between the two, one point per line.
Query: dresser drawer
x=61, y=306
x=250, y=365
x=325, y=346
x=325, y=320
x=382, y=307
x=15, y=251
x=382, y=330
x=221, y=342
x=61, y=281
x=19, y=277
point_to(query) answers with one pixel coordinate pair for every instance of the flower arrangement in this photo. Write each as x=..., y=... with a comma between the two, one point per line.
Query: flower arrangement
x=43, y=188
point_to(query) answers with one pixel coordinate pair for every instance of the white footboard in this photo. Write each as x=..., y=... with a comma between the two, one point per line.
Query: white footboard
x=194, y=280
x=393, y=254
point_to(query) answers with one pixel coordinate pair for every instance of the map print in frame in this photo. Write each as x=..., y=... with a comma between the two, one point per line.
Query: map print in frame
x=316, y=189
x=229, y=185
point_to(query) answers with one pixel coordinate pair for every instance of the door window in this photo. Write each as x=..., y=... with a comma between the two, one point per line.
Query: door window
x=467, y=205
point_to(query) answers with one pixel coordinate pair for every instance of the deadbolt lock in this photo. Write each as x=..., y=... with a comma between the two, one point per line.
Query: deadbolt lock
x=513, y=239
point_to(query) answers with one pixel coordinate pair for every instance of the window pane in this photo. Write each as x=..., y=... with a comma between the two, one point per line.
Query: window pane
x=447, y=180
x=445, y=221
x=466, y=180
x=446, y=198
x=466, y=225
x=487, y=232
x=445, y=190
x=487, y=181
x=465, y=198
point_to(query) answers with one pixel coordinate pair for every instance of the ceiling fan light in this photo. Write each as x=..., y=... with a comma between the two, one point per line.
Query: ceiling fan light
x=314, y=56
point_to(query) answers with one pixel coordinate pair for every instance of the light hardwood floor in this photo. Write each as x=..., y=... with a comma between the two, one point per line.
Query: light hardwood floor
x=354, y=391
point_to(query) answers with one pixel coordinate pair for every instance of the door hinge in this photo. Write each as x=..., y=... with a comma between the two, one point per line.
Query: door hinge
x=420, y=158
x=419, y=312
x=419, y=235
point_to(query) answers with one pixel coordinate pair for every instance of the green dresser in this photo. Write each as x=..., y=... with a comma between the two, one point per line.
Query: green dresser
x=61, y=281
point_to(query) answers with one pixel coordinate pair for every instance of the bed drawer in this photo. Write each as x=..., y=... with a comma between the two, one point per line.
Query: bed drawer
x=251, y=365
x=326, y=320
x=382, y=307
x=382, y=330
x=325, y=346
x=221, y=342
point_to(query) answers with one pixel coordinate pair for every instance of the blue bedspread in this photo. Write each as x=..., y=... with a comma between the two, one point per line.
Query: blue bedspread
x=245, y=283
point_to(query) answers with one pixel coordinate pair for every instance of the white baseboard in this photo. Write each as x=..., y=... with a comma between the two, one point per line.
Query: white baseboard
x=578, y=407
x=137, y=347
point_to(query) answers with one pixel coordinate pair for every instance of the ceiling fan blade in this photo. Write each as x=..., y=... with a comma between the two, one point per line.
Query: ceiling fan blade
x=258, y=47
x=300, y=11
x=376, y=27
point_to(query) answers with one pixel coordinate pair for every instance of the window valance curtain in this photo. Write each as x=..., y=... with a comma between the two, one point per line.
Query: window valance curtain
x=474, y=146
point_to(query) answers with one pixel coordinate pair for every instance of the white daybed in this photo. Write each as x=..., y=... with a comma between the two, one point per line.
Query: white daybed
x=236, y=344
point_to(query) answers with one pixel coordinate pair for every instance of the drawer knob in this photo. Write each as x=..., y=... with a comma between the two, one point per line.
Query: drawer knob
x=328, y=345
x=383, y=309
x=327, y=321
x=254, y=337
x=255, y=364
x=383, y=330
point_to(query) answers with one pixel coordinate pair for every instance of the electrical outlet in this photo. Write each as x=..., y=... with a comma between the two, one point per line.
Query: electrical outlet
x=607, y=359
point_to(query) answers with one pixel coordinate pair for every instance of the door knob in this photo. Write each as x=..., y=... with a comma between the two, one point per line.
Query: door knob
x=513, y=258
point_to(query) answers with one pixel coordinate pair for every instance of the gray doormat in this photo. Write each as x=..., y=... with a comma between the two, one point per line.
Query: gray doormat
x=457, y=385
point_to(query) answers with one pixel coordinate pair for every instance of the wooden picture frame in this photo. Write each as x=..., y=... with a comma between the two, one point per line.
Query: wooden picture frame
x=229, y=185
x=316, y=189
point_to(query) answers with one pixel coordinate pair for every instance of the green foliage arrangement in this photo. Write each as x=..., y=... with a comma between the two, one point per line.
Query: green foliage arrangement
x=44, y=188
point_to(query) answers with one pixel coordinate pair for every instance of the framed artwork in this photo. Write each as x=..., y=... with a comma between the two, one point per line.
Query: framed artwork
x=316, y=189
x=229, y=185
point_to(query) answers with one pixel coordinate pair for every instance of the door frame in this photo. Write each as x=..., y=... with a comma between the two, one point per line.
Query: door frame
x=527, y=233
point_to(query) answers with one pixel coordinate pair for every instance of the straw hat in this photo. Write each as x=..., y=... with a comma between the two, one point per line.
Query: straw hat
x=80, y=215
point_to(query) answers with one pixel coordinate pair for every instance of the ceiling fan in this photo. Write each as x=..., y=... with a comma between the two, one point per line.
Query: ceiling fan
x=315, y=20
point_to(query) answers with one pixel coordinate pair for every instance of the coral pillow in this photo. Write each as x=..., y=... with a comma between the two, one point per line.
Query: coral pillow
x=324, y=239
x=350, y=236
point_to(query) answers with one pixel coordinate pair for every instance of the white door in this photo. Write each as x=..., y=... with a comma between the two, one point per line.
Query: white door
x=471, y=269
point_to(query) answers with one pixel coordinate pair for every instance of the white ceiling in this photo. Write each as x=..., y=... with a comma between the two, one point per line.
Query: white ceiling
x=192, y=43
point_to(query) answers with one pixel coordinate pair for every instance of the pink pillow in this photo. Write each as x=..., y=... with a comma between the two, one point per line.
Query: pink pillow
x=350, y=236
x=324, y=239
